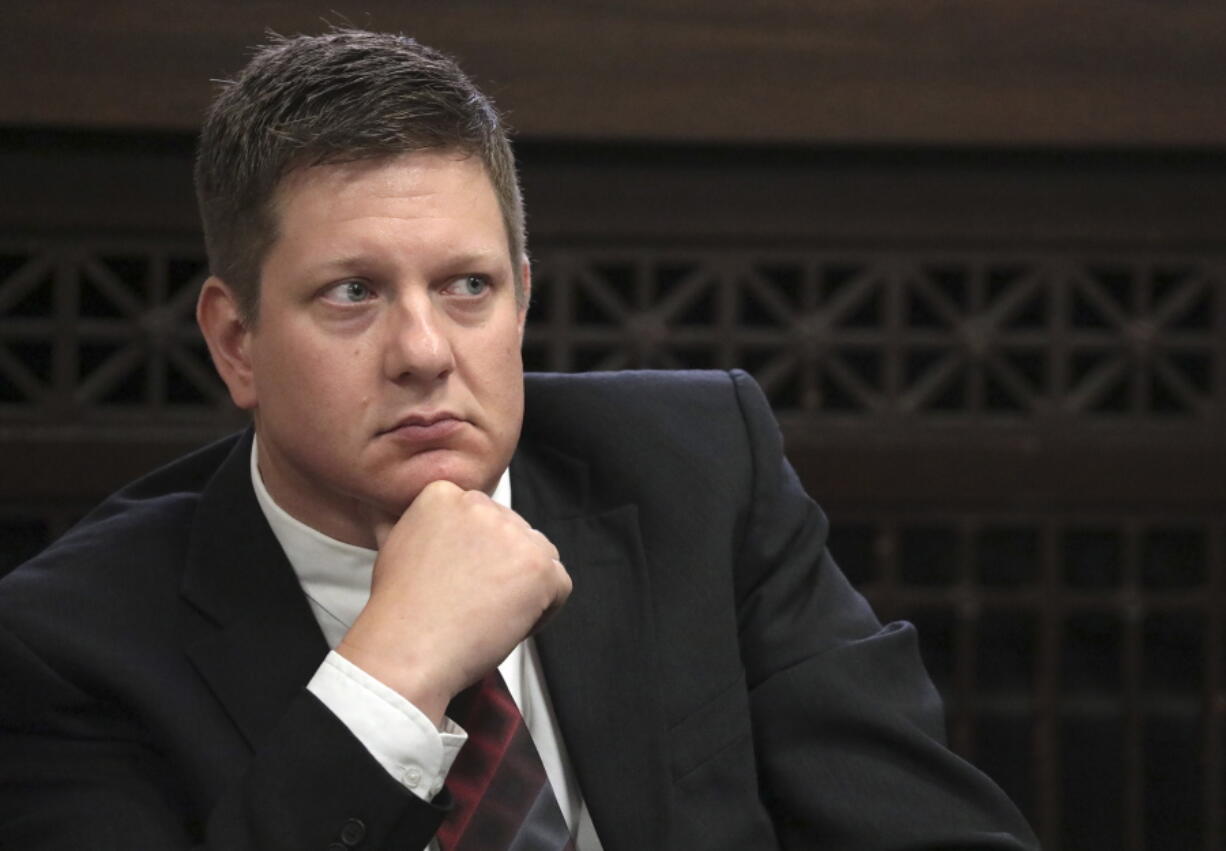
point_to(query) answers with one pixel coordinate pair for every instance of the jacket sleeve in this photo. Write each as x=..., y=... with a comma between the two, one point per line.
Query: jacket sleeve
x=848, y=728
x=76, y=772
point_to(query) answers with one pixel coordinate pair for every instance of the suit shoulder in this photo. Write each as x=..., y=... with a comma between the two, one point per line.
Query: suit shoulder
x=621, y=420
x=140, y=528
x=631, y=392
x=689, y=402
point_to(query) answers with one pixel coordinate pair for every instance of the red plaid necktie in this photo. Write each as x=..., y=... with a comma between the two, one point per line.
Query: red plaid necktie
x=502, y=798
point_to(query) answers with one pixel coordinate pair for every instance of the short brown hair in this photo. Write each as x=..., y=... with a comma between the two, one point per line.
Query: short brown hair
x=342, y=96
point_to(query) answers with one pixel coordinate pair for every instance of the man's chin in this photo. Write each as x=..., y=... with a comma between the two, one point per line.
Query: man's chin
x=463, y=472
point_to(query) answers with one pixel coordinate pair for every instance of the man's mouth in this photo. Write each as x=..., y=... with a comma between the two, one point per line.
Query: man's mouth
x=426, y=428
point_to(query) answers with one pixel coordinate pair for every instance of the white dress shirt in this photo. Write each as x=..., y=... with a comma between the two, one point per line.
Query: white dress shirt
x=335, y=577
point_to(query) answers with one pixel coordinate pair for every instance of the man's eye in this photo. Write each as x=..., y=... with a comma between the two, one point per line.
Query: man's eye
x=468, y=285
x=350, y=292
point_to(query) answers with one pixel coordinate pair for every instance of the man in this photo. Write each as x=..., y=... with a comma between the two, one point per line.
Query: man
x=271, y=643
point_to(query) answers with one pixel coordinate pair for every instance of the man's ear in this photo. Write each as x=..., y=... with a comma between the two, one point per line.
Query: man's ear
x=229, y=339
x=526, y=298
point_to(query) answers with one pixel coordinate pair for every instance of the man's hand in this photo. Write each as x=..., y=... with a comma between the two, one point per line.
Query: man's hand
x=459, y=581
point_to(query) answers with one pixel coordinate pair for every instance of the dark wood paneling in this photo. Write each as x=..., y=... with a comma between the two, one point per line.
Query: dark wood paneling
x=101, y=182
x=1107, y=72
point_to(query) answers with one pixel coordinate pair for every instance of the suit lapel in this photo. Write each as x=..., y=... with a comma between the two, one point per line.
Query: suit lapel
x=261, y=645
x=597, y=652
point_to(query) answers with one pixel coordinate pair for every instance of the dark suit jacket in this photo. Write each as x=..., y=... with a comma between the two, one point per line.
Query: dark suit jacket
x=717, y=682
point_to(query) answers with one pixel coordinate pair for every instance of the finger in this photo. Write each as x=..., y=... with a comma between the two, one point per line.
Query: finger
x=564, y=585
x=546, y=544
x=383, y=526
x=560, y=597
x=516, y=517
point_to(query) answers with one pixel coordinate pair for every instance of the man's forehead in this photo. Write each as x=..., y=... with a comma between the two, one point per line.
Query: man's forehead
x=351, y=216
x=420, y=184
x=340, y=170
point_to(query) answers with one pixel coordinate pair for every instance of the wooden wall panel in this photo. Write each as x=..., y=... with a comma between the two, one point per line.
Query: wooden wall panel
x=1097, y=73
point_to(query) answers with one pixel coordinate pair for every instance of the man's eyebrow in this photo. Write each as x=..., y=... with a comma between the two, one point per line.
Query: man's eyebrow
x=360, y=260
x=480, y=257
x=347, y=263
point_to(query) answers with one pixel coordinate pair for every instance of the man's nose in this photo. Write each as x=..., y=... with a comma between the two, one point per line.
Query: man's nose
x=418, y=346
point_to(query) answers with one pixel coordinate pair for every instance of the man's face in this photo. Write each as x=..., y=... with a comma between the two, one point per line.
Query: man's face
x=386, y=354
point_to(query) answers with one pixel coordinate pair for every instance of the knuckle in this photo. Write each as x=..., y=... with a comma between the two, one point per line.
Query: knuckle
x=473, y=498
x=438, y=489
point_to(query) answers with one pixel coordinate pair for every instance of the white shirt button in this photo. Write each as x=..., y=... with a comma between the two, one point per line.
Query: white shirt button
x=412, y=776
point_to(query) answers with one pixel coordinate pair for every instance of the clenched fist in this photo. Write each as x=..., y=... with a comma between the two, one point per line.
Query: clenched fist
x=459, y=581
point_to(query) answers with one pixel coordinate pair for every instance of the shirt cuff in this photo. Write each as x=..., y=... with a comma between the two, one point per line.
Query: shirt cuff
x=397, y=734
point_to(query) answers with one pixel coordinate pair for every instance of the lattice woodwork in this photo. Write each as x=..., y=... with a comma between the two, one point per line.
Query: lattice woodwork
x=908, y=334
x=90, y=329
x=1081, y=658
